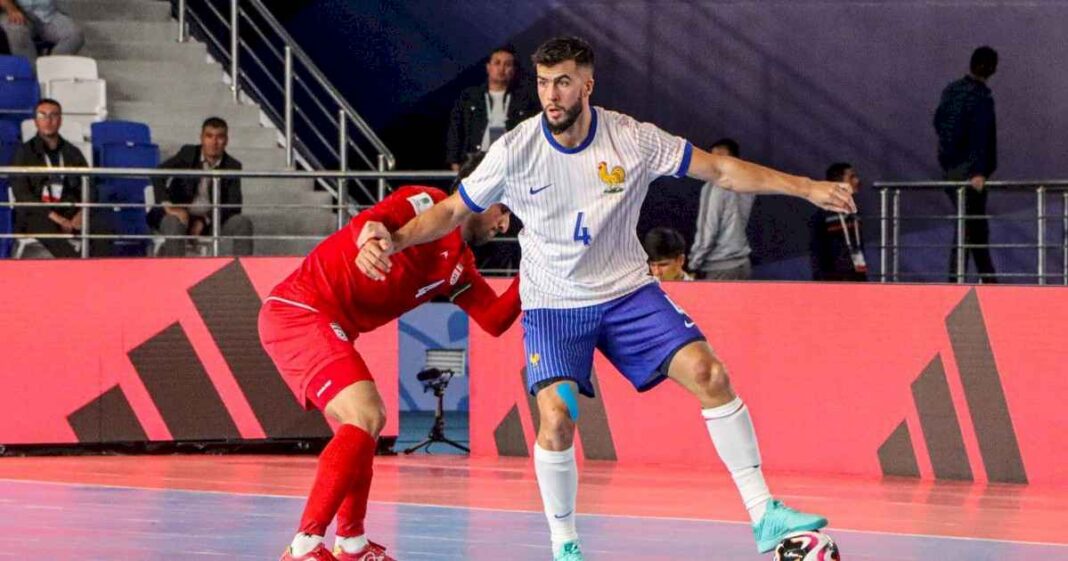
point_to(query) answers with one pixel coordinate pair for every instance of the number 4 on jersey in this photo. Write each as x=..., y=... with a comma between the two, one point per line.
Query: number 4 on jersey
x=582, y=233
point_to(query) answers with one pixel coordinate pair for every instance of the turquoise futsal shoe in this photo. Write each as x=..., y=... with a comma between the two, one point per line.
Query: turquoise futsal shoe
x=780, y=521
x=570, y=552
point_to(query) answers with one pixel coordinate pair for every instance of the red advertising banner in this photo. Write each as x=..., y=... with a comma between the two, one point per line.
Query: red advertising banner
x=162, y=349
x=934, y=382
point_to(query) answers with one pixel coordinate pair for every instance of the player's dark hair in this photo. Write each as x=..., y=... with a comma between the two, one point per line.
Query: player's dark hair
x=664, y=243
x=467, y=169
x=562, y=49
x=837, y=171
x=730, y=144
x=984, y=62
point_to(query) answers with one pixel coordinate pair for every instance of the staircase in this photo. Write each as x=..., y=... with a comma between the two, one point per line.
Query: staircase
x=173, y=87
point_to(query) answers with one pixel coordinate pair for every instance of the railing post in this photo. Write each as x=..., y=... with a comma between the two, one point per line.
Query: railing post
x=1064, y=238
x=86, y=211
x=1041, y=192
x=234, y=43
x=342, y=165
x=896, y=234
x=381, y=180
x=884, y=224
x=288, y=109
x=181, y=21
x=216, y=215
x=961, y=257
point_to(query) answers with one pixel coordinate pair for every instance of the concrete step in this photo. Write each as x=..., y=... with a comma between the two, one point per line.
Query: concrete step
x=295, y=248
x=190, y=52
x=160, y=33
x=164, y=70
x=236, y=115
x=117, y=10
x=245, y=137
x=205, y=92
x=263, y=192
x=292, y=221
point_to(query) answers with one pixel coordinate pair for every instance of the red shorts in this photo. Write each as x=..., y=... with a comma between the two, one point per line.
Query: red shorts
x=308, y=347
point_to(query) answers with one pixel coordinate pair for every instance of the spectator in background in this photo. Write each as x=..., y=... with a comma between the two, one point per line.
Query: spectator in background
x=28, y=21
x=187, y=201
x=484, y=113
x=837, y=242
x=720, y=247
x=968, y=151
x=48, y=149
x=666, y=249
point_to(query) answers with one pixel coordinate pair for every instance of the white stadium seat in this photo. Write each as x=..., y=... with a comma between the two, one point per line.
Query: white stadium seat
x=75, y=83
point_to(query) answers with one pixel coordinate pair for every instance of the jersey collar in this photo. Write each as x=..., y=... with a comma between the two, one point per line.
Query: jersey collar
x=560, y=147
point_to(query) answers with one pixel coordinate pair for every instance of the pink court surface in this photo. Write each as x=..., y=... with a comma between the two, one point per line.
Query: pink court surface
x=454, y=507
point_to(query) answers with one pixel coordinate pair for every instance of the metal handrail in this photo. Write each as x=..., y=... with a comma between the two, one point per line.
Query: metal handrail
x=890, y=224
x=216, y=176
x=292, y=54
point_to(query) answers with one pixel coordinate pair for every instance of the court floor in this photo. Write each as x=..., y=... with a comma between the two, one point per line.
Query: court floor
x=454, y=507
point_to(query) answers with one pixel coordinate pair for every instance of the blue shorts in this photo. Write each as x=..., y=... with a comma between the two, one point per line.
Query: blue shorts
x=639, y=334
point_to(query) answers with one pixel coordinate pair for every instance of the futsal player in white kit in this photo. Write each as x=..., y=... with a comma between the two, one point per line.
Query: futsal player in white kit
x=577, y=176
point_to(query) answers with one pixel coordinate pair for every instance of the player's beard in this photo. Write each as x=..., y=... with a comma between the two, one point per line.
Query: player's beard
x=571, y=115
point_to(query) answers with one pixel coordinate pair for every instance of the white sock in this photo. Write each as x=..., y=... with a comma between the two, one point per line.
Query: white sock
x=304, y=543
x=735, y=440
x=558, y=481
x=351, y=545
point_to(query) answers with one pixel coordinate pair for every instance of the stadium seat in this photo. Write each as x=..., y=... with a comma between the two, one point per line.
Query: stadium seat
x=74, y=82
x=9, y=143
x=19, y=90
x=73, y=131
x=127, y=190
x=118, y=133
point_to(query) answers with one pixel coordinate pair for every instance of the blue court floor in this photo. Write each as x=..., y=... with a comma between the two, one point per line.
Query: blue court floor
x=61, y=521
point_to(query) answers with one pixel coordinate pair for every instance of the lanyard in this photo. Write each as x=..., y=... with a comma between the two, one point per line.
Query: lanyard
x=48, y=163
x=845, y=230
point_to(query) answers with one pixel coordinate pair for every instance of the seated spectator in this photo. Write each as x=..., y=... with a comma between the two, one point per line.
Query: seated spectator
x=27, y=22
x=720, y=247
x=666, y=249
x=484, y=113
x=837, y=241
x=48, y=149
x=187, y=201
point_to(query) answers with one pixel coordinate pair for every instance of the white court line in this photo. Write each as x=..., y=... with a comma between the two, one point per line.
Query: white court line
x=520, y=511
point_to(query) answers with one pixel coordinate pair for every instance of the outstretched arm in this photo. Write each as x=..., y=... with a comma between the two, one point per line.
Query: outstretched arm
x=431, y=225
x=745, y=177
x=493, y=313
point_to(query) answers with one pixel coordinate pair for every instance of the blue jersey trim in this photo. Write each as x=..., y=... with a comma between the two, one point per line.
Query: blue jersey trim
x=469, y=201
x=560, y=147
x=684, y=165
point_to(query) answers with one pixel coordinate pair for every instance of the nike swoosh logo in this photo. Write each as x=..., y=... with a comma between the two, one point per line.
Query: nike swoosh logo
x=422, y=291
x=563, y=516
x=688, y=324
x=534, y=191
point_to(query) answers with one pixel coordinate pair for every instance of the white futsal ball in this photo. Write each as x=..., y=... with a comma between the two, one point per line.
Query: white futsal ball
x=807, y=546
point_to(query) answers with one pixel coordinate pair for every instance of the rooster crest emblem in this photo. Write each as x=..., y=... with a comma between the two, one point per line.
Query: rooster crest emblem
x=613, y=179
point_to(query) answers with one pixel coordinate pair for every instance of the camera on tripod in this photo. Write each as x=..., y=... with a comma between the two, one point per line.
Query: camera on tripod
x=441, y=366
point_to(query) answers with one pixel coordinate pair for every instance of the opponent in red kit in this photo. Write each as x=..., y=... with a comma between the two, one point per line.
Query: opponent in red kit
x=308, y=325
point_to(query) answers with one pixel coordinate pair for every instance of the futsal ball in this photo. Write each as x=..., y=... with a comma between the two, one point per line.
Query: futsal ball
x=807, y=546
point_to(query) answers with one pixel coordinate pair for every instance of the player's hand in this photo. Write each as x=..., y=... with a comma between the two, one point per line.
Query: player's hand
x=837, y=197
x=373, y=259
x=372, y=230
x=978, y=183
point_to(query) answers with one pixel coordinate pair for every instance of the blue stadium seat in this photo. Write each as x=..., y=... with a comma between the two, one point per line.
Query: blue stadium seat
x=127, y=190
x=112, y=132
x=9, y=143
x=19, y=90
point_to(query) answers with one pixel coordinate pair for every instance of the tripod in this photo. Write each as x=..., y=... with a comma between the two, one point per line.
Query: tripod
x=437, y=382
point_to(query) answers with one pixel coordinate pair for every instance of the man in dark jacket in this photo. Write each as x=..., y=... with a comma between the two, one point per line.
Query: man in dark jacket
x=186, y=201
x=484, y=113
x=967, y=151
x=837, y=240
x=48, y=149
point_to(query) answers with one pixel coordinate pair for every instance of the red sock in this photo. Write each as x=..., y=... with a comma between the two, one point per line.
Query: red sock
x=354, y=508
x=345, y=461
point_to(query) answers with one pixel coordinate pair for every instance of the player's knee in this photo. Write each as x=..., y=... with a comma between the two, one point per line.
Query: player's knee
x=557, y=428
x=710, y=378
x=369, y=416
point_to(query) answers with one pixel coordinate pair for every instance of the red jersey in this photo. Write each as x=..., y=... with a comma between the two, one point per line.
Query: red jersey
x=329, y=281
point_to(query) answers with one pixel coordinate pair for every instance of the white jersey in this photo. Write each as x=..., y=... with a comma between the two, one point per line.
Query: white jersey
x=579, y=206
